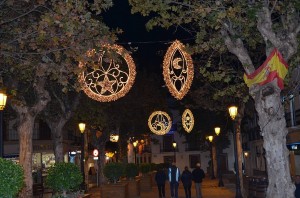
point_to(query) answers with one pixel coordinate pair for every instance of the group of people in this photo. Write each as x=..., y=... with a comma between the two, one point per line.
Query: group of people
x=174, y=178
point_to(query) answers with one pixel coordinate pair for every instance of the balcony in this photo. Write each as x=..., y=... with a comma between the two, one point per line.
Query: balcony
x=288, y=118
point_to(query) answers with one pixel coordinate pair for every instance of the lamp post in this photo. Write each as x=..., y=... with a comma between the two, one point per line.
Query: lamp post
x=221, y=183
x=134, y=145
x=233, y=112
x=174, y=144
x=3, y=98
x=210, y=138
x=82, y=128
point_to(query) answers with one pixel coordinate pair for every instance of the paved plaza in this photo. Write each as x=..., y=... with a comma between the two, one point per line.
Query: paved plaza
x=210, y=189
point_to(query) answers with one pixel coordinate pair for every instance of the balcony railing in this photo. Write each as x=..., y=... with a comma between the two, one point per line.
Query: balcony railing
x=192, y=148
x=163, y=150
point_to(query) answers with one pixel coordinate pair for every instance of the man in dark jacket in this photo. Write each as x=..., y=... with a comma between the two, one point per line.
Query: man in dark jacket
x=174, y=175
x=160, y=179
x=198, y=175
x=186, y=179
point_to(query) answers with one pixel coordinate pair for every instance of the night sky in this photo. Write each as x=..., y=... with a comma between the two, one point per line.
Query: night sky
x=151, y=45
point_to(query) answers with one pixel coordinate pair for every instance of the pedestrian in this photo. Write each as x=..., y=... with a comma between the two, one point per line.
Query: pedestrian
x=186, y=179
x=174, y=175
x=198, y=175
x=297, y=184
x=160, y=178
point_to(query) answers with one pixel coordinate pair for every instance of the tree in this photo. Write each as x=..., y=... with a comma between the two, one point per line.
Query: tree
x=100, y=121
x=57, y=113
x=242, y=27
x=42, y=41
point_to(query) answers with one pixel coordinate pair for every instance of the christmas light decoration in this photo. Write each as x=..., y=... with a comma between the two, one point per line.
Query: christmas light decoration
x=178, y=70
x=159, y=122
x=187, y=120
x=108, y=74
x=109, y=154
x=114, y=137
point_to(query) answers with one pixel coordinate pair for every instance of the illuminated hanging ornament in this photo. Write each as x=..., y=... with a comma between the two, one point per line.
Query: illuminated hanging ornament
x=188, y=120
x=114, y=137
x=109, y=154
x=108, y=74
x=159, y=122
x=178, y=70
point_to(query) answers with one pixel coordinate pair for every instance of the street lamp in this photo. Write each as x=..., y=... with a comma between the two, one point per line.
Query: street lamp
x=134, y=145
x=211, y=138
x=221, y=183
x=82, y=128
x=233, y=112
x=217, y=130
x=174, y=144
x=3, y=98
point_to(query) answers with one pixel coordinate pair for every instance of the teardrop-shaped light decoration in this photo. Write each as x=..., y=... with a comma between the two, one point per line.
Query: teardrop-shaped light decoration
x=178, y=70
x=188, y=120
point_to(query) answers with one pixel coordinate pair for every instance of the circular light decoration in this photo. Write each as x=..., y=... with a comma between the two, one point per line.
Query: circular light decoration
x=95, y=152
x=187, y=120
x=108, y=73
x=159, y=122
x=178, y=70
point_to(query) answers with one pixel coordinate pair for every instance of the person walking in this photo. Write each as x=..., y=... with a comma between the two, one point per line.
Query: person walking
x=297, y=184
x=174, y=175
x=186, y=179
x=198, y=175
x=160, y=178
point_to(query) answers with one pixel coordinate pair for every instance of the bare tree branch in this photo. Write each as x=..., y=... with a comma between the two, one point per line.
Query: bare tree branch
x=237, y=47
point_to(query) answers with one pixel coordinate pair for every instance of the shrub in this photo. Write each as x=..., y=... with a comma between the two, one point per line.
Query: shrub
x=11, y=178
x=131, y=170
x=113, y=171
x=145, y=168
x=64, y=177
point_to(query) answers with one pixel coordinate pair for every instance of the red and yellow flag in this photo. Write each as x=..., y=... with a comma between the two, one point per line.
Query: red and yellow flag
x=273, y=67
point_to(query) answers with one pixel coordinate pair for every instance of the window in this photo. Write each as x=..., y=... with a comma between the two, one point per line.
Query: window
x=167, y=143
x=193, y=142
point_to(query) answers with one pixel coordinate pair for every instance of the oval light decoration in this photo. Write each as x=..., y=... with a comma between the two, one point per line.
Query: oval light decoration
x=108, y=74
x=159, y=122
x=188, y=120
x=178, y=70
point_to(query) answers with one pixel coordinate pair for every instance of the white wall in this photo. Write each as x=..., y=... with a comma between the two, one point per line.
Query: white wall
x=230, y=153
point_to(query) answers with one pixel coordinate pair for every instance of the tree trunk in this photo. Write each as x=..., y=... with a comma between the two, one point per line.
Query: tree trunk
x=56, y=130
x=240, y=154
x=26, y=115
x=25, y=130
x=86, y=157
x=101, y=163
x=239, y=146
x=273, y=129
x=214, y=158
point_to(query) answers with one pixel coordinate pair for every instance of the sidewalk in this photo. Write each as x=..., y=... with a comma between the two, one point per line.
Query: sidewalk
x=210, y=189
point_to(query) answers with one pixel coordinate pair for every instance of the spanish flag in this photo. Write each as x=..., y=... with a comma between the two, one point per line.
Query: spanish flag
x=273, y=67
